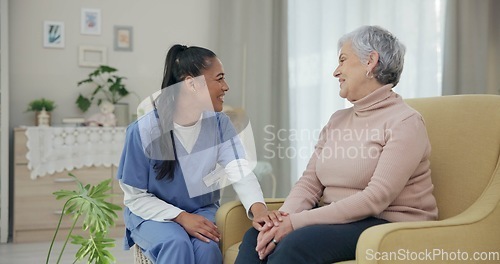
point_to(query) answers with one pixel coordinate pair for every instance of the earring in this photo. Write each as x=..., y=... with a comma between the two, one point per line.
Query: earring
x=192, y=88
x=367, y=75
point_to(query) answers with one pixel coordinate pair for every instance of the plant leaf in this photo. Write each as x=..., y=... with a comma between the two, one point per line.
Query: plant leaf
x=98, y=214
x=94, y=248
x=84, y=81
x=105, y=68
x=83, y=103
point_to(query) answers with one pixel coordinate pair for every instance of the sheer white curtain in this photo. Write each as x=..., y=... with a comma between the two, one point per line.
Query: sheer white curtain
x=472, y=41
x=314, y=28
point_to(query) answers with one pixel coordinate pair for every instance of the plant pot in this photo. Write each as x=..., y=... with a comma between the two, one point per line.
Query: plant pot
x=122, y=114
x=37, y=118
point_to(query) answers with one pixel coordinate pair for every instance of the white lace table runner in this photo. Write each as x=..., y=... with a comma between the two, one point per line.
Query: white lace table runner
x=54, y=149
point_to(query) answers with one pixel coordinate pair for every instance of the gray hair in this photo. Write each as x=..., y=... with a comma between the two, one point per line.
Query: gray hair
x=390, y=50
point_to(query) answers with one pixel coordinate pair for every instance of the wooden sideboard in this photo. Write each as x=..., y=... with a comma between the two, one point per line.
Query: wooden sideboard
x=36, y=211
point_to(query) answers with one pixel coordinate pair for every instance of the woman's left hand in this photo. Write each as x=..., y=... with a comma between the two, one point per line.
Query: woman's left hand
x=268, y=240
x=267, y=220
x=264, y=219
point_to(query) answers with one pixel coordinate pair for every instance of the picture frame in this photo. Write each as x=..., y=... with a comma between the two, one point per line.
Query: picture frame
x=92, y=56
x=91, y=21
x=123, y=38
x=53, y=34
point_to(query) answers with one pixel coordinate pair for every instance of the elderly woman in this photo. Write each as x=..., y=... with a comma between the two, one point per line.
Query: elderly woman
x=370, y=165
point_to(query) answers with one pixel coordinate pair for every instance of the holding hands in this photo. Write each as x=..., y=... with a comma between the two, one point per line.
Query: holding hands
x=264, y=219
x=273, y=226
x=203, y=229
x=268, y=239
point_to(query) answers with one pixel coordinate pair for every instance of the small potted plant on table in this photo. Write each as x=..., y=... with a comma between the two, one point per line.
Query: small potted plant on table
x=39, y=106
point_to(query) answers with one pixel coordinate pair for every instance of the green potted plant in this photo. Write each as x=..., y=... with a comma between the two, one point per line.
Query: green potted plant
x=98, y=215
x=105, y=83
x=40, y=105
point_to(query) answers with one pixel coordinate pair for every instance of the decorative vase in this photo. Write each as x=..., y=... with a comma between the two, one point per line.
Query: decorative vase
x=42, y=118
x=122, y=114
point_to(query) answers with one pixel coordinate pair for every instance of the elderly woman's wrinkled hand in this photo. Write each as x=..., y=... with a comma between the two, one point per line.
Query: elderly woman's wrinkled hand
x=268, y=240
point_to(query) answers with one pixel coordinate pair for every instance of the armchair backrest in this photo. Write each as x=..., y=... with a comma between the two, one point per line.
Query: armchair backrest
x=464, y=131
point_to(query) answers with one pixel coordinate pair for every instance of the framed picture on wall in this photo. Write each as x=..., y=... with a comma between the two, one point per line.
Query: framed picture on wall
x=91, y=56
x=123, y=38
x=53, y=34
x=91, y=21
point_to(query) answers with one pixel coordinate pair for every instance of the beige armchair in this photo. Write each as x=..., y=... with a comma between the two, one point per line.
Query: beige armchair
x=464, y=131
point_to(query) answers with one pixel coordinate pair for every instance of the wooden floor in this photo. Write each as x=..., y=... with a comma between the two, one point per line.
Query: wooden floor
x=28, y=253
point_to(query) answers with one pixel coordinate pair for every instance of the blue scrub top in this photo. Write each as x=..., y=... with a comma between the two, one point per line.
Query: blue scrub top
x=217, y=144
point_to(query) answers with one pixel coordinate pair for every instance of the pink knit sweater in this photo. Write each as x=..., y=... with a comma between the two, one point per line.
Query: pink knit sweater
x=370, y=160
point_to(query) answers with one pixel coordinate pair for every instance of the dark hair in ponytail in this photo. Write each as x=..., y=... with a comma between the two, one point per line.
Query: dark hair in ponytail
x=181, y=62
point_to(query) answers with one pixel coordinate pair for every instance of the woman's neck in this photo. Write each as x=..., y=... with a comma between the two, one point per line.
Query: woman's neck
x=368, y=88
x=186, y=115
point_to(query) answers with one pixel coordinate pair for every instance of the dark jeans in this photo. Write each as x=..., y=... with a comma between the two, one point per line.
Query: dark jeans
x=310, y=244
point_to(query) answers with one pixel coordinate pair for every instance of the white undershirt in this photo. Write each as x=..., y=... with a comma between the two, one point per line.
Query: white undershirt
x=188, y=135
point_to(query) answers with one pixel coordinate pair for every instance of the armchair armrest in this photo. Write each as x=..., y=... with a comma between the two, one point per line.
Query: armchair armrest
x=473, y=233
x=465, y=237
x=233, y=222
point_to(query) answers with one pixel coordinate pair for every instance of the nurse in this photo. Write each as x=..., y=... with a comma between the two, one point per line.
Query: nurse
x=175, y=159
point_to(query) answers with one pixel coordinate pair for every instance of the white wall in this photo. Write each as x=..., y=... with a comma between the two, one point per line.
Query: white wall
x=222, y=26
x=37, y=72
x=4, y=118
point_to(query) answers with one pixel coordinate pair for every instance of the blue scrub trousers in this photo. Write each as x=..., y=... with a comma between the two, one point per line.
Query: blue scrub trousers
x=310, y=244
x=168, y=242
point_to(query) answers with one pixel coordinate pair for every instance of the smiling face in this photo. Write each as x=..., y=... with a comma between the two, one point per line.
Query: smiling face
x=216, y=83
x=352, y=74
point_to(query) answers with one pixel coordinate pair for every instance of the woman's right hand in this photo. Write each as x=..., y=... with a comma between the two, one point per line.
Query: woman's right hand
x=198, y=226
